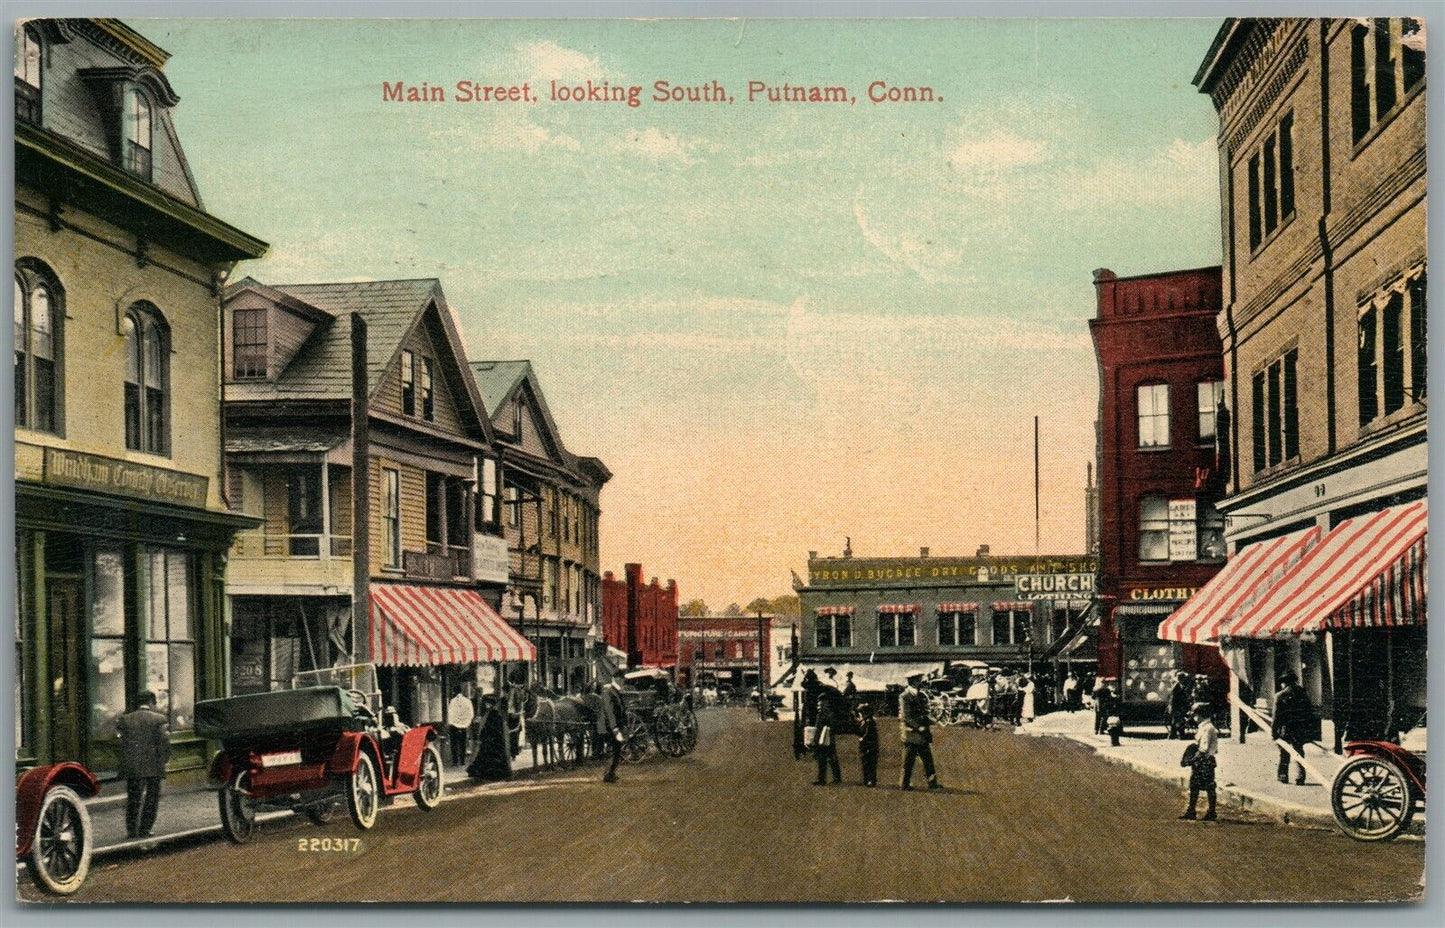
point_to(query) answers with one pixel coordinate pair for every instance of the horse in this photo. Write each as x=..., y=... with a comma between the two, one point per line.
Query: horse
x=555, y=724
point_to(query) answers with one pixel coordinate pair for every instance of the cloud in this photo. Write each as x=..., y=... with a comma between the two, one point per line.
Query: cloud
x=546, y=60
x=998, y=151
x=657, y=145
x=924, y=256
x=514, y=132
x=1183, y=173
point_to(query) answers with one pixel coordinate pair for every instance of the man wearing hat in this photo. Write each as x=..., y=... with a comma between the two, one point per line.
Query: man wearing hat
x=1201, y=777
x=145, y=746
x=1294, y=723
x=917, y=736
x=609, y=723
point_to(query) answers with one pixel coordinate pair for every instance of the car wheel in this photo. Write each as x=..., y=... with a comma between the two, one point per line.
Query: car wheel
x=428, y=794
x=363, y=792
x=1371, y=799
x=238, y=809
x=60, y=852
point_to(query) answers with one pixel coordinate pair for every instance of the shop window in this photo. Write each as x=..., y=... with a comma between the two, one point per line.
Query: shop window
x=1391, y=359
x=834, y=631
x=24, y=606
x=1210, y=541
x=136, y=133
x=1154, y=415
x=147, y=380
x=1271, y=182
x=170, y=637
x=1387, y=61
x=27, y=76
x=391, y=517
x=1153, y=529
x=895, y=630
x=1211, y=397
x=39, y=311
x=249, y=343
x=107, y=643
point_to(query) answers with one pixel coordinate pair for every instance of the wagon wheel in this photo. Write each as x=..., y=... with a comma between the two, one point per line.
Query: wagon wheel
x=634, y=738
x=1371, y=799
x=60, y=852
x=238, y=809
x=688, y=730
x=428, y=793
x=363, y=799
x=937, y=710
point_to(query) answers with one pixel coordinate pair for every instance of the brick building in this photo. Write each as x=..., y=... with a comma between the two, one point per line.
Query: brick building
x=1322, y=161
x=1161, y=416
x=720, y=651
x=640, y=619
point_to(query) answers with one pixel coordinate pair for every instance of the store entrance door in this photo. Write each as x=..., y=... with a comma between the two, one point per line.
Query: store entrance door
x=67, y=660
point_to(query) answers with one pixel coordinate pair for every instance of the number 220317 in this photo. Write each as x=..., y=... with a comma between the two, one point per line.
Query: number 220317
x=328, y=845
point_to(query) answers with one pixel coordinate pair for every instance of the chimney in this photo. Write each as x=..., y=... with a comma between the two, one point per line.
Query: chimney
x=923, y=552
x=812, y=555
x=982, y=551
x=848, y=546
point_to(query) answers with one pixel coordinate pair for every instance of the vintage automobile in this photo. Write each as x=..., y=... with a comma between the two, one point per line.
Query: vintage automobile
x=1378, y=790
x=52, y=827
x=309, y=750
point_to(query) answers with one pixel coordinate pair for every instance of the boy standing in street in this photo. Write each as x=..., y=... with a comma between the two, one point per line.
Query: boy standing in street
x=867, y=744
x=1201, y=777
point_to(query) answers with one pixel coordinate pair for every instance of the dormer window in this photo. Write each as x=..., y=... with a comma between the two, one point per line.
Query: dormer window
x=428, y=407
x=27, y=77
x=408, y=383
x=249, y=344
x=136, y=133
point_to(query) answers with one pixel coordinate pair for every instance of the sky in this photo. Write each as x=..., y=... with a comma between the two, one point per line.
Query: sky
x=779, y=324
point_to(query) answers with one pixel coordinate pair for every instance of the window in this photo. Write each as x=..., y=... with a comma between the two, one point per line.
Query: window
x=428, y=407
x=1210, y=541
x=834, y=631
x=895, y=630
x=108, y=672
x=1387, y=61
x=136, y=133
x=391, y=516
x=1275, y=413
x=170, y=637
x=27, y=77
x=957, y=628
x=1153, y=529
x=1271, y=182
x=1211, y=397
x=514, y=507
x=303, y=511
x=248, y=343
x=147, y=380
x=1392, y=358
x=1154, y=415
x=1010, y=623
x=408, y=383
x=487, y=491
x=38, y=312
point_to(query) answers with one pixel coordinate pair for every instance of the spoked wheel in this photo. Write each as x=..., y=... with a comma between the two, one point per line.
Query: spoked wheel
x=60, y=853
x=937, y=712
x=322, y=813
x=363, y=793
x=428, y=794
x=669, y=742
x=238, y=809
x=634, y=739
x=1371, y=799
x=689, y=730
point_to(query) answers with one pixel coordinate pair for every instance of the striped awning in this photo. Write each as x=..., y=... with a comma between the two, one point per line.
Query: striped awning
x=897, y=608
x=1249, y=575
x=1011, y=606
x=1396, y=597
x=834, y=610
x=421, y=625
x=958, y=607
x=1358, y=554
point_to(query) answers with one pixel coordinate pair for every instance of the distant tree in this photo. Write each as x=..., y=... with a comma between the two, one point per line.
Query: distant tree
x=732, y=611
x=759, y=605
x=786, y=605
x=694, y=609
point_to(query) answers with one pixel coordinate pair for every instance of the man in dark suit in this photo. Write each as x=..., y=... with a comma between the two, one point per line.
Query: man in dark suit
x=917, y=735
x=609, y=725
x=145, y=746
x=1294, y=724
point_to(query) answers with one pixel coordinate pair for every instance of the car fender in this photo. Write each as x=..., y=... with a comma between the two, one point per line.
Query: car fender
x=408, y=764
x=219, y=773
x=30, y=795
x=1412, y=764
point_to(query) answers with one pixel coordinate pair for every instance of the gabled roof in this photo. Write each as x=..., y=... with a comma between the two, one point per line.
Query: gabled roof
x=500, y=381
x=321, y=370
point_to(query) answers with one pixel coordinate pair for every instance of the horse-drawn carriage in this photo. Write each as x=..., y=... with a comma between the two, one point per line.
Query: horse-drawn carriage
x=310, y=750
x=657, y=714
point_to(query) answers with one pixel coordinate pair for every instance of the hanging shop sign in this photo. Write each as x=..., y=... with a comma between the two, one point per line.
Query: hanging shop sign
x=490, y=563
x=1055, y=587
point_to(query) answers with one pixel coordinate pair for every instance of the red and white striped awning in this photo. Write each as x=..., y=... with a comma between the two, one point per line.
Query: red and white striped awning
x=958, y=607
x=413, y=626
x=1396, y=597
x=1351, y=559
x=834, y=610
x=1007, y=606
x=1248, y=576
x=897, y=608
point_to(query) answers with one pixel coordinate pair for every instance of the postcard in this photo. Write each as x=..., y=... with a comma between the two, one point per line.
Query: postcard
x=619, y=460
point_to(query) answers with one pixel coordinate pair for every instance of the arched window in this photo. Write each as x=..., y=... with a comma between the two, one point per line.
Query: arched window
x=37, y=348
x=136, y=134
x=147, y=380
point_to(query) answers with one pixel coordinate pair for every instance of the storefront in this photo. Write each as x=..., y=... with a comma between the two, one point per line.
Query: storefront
x=118, y=593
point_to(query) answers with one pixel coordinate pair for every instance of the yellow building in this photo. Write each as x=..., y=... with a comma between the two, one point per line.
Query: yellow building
x=121, y=522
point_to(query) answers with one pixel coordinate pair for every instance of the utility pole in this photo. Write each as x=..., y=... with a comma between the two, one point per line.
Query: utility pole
x=1036, y=484
x=762, y=670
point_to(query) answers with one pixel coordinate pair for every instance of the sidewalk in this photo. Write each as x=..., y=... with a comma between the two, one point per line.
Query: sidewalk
x=1246, y=773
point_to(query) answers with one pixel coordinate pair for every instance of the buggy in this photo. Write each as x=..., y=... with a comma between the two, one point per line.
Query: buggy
x=657, y=714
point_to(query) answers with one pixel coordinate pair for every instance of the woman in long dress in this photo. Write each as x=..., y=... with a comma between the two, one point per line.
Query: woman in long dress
x=1028, y=688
